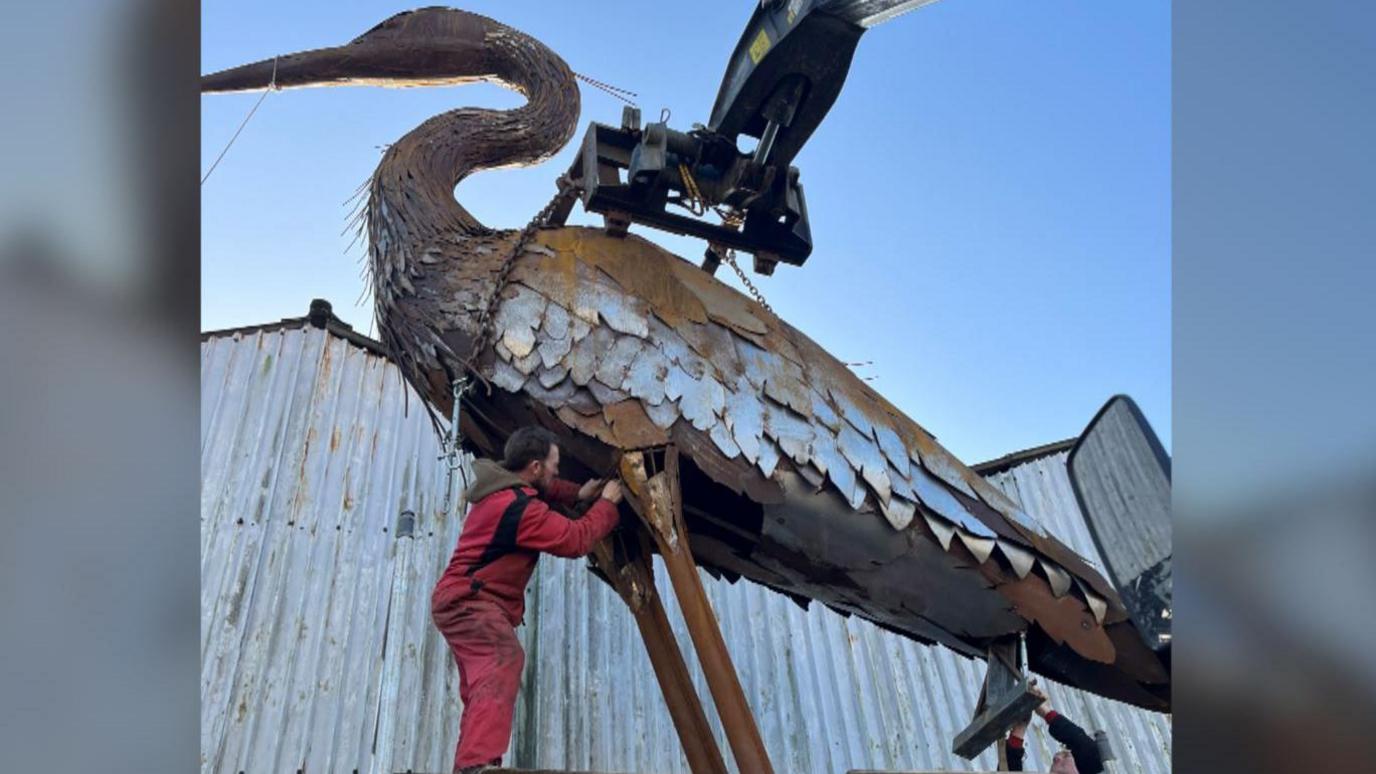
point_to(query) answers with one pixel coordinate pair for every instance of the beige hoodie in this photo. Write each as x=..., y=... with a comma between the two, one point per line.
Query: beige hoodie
x=488, y=477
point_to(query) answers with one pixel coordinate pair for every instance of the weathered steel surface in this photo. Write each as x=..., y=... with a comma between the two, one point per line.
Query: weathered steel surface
x=817, y=499
x=829, y=693
x=1141, y=740
x=749, y=382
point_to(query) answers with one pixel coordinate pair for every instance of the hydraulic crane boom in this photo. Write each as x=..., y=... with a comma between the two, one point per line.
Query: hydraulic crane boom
x=788, y=67
x=783, y=77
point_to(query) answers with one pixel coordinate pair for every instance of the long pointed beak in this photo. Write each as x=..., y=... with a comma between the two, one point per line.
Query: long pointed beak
x=318, y=67
x=430, y=47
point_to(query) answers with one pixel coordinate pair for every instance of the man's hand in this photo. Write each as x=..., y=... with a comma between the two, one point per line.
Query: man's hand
x=1045, y=706
x=1019, y=729
x=589, y=488
x=612, y=491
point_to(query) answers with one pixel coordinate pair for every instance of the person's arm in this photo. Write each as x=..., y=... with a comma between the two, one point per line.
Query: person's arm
x=1081, y=744
x=568, y=494
x=561, y=492
x=1014, y=750
x=544, y=529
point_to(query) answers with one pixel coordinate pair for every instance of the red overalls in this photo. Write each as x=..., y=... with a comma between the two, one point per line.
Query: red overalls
x=480, y=598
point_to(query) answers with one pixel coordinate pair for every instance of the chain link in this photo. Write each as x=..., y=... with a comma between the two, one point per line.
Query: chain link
x=451, y=442
x=731, y=219
x=729, y=256
x=567, y=189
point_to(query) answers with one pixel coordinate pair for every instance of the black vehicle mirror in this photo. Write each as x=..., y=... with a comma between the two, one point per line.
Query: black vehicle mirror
x=1121, y=476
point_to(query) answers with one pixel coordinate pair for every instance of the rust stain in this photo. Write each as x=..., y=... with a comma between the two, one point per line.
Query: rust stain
x=722, y=302
x=632, y=427
x=558, y=273
x=648, y=272
x=1066, y=619
x=591, y=425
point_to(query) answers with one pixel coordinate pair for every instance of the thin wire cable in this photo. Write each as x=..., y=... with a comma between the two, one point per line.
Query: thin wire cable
x=619, y=93
x=272, y=86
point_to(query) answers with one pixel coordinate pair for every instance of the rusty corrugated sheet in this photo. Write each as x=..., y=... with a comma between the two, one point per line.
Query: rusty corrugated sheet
x=306, y=440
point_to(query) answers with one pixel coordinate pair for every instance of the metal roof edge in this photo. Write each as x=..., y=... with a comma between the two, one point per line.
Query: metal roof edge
x=321, y=315
x=1014, y=459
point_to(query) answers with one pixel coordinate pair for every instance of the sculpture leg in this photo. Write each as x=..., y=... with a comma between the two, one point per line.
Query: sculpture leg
x=628, y=569
x=661, y=508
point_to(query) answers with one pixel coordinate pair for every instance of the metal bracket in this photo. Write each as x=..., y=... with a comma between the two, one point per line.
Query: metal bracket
x=1005, y=699
x=630, y=175
x=451, y=444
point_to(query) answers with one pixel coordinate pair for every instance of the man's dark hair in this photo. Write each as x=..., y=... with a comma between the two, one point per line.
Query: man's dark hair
x=526, y=445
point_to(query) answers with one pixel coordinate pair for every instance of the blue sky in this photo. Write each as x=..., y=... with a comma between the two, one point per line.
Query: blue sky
x=990, y=195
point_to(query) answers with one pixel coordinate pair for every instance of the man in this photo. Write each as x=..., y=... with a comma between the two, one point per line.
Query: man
x=1082, y=755
x=480, y=598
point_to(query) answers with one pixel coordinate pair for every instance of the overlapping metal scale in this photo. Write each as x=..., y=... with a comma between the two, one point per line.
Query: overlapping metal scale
x=664, y=345
x=1141, y=740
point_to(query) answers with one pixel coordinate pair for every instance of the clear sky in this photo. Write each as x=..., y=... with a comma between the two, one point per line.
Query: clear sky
x=989, y=196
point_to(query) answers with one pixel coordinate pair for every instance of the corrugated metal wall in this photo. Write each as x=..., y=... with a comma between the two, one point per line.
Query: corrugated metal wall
x=318, y=652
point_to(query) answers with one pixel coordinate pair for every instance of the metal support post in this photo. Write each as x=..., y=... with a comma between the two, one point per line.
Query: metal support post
x=661, y=508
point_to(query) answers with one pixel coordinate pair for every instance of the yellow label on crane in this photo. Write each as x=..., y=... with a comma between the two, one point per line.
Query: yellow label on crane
x=760, y=46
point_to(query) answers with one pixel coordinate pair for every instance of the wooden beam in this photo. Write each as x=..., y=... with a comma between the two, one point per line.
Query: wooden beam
x=1005, y=699
x=662, y=511
x=627, y=565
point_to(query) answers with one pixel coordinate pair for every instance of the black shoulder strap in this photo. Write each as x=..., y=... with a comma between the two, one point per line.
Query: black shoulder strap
x=504, y=539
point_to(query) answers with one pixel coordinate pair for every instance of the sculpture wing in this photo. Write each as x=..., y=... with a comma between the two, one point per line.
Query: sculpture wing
x=634, y=346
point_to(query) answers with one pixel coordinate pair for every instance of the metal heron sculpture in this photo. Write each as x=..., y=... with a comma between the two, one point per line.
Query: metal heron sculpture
x=794, y=473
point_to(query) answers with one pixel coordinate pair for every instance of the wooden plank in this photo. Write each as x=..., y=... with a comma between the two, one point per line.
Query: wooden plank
x=1005, y=698
x=993, y=723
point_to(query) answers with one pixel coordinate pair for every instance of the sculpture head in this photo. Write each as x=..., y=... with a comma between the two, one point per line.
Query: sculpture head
x=427, y=47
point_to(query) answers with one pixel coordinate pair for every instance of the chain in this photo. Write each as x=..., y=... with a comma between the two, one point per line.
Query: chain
x=451, y=442
x=454, y=438
x=733, y=220
x=696, y=202
x=729, y=256
x=567, y=188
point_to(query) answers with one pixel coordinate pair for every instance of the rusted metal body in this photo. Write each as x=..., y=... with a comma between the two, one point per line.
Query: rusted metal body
x=796, y=473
